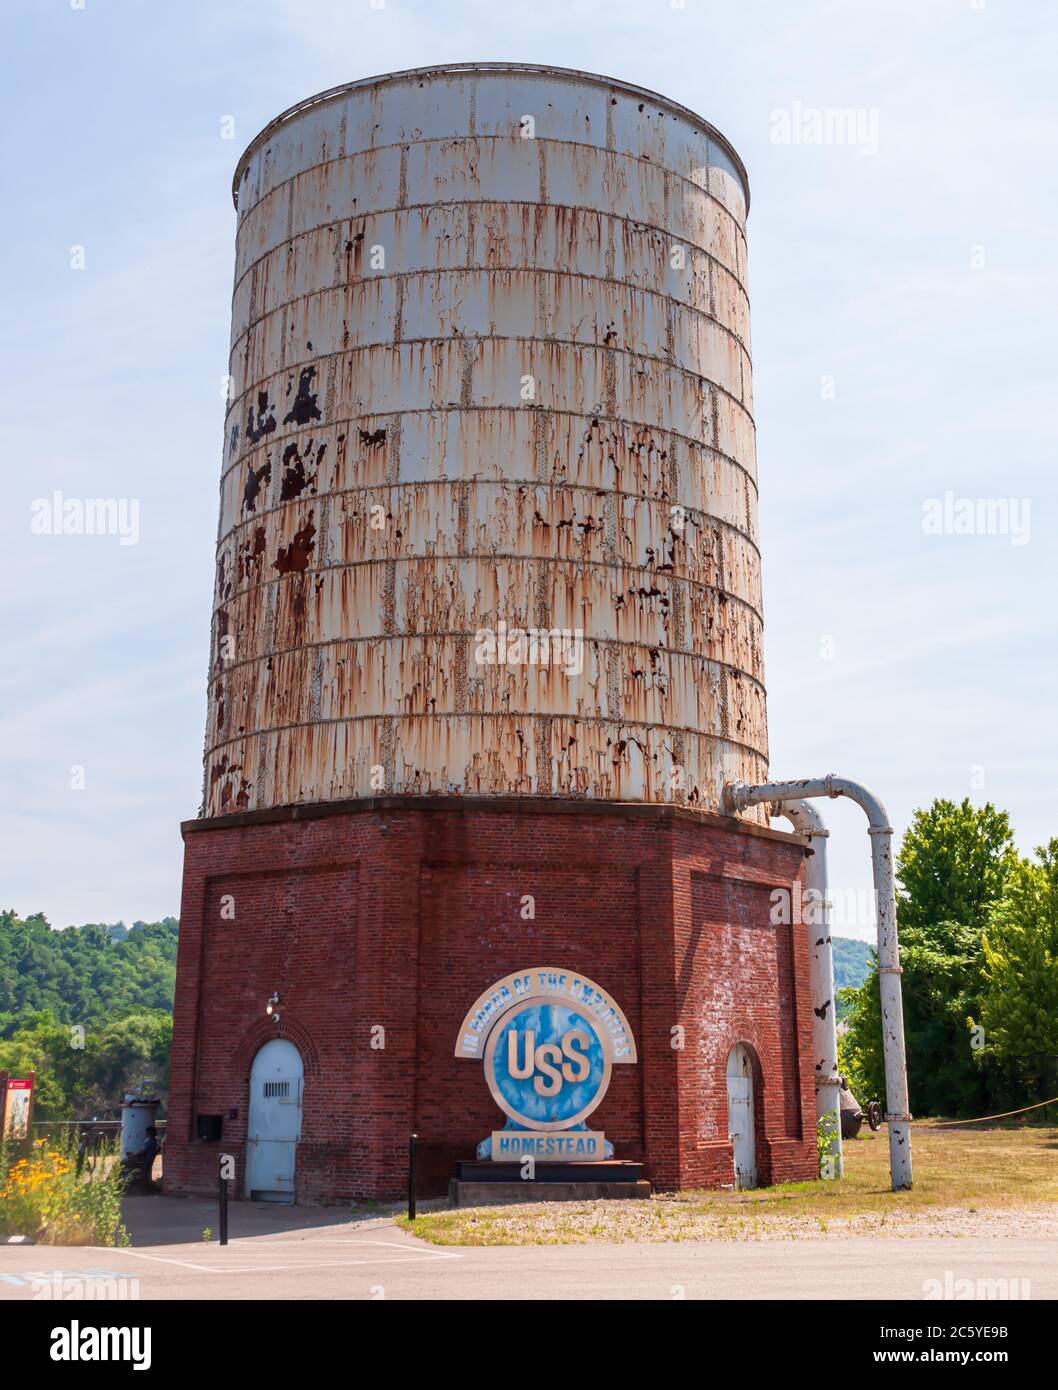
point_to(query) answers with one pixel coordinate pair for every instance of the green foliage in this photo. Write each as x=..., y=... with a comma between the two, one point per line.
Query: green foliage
x=942, y=977
x=83, y=974
x=827, y=1130
x=852, y=961
x=87, y=1008
x=1019, y=1003
x=860, y=1045
x=47, y=1195
x=952, y=867
x=78, y=1077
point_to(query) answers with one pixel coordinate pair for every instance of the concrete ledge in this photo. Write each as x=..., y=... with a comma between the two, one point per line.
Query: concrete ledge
x=661, y=813
x=484, y=1194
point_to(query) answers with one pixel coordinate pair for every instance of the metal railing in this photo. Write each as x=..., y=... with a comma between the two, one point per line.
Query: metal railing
x=86, y=1130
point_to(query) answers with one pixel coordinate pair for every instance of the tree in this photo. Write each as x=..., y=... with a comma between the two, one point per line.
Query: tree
x=77, y=1076
x=953, y=865
x=952, y=868
x=32, y=1049
x=83, y=974
x=1019, y=1004
x=86, y=1008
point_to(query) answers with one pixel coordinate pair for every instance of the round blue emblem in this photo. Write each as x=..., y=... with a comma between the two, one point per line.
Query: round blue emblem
x=546, y=1065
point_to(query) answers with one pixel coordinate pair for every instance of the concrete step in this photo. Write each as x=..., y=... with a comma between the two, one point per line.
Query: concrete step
x=482, y=1194
x=608, y=1170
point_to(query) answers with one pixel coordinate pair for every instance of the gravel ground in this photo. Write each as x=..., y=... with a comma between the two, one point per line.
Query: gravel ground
x=548, y=1223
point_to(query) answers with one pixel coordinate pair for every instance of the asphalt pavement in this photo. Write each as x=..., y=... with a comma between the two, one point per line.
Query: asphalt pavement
x=293, y=1253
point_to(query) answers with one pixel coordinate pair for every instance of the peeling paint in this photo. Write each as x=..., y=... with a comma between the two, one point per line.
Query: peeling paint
x=294, y=558
x=304, y=408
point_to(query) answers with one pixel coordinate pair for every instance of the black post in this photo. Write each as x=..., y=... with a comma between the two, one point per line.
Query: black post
x=413, y=1154
x=222, y=1198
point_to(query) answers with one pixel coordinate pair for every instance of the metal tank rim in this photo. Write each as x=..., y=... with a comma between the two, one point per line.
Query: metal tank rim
x=534, y=69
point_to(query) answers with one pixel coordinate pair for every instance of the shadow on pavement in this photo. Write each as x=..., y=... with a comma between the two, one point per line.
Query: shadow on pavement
x=155, y=1219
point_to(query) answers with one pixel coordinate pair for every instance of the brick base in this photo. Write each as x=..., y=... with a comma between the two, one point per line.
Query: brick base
x=381, y=922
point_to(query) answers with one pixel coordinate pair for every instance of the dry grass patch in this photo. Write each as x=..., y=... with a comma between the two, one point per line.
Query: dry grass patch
x=967, y=1181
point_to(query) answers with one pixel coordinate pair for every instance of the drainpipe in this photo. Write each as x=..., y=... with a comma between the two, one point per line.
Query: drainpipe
x=804, y=817
x=739, y=795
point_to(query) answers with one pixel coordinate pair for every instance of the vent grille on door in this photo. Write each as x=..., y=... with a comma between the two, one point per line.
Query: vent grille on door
x=275, y=1089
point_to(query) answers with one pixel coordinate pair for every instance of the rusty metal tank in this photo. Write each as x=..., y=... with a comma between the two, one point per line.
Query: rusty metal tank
x=488, y=500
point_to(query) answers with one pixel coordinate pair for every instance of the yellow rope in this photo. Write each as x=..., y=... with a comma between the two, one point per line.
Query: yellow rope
x=947, y=1124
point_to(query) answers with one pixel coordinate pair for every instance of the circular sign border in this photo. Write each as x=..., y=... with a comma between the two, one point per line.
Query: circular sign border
x=547, y=1126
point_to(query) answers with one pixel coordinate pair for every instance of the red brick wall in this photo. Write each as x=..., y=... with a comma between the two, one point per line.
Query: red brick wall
x=742, y=978
x=399, y=916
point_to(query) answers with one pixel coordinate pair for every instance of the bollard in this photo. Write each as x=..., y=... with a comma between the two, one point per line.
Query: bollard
x=413, y=1153
x=222, y=1200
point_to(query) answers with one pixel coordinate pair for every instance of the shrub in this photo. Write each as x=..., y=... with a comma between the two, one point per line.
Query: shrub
x=44, y=1195
x=827, y=1131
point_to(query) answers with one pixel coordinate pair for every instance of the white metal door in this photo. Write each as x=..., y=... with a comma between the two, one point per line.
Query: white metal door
x=276, y=1081
x=740, y=1118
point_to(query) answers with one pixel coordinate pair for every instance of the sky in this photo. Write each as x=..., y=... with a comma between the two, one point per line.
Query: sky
x=903, y=286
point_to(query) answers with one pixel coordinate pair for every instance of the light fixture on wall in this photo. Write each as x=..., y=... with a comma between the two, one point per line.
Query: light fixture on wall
x=270, y=1008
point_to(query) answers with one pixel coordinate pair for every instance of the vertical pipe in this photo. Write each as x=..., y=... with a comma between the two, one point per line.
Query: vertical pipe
x=222, y=1201
x=738, y=795
x=898, y=1116
x=413, y=1155
x=815, y=916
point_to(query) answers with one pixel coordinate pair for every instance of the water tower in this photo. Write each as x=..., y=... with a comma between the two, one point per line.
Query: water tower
x=486, y=641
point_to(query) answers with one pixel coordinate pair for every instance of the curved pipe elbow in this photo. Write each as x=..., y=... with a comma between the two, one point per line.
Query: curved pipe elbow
x=739, y=795
x=802, y=815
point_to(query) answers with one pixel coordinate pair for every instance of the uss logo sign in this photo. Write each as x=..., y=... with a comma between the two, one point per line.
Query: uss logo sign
x=541, y=1063
x=548, y=1040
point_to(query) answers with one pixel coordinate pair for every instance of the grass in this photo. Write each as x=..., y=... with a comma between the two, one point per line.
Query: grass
x=962, y=1177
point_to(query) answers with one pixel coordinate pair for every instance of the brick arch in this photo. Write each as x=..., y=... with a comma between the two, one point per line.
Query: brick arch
x=290, y=1029
x=742, y=1039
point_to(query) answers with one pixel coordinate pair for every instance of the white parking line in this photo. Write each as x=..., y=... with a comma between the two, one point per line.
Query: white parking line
x=416, y=1257
x=160, y=1259
x=364, y=1244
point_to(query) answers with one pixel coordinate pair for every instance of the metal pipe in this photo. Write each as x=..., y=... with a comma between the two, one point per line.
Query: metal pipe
x=815, y=914
x=413, y=1183
x=222, y=1200
x=739, y=795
